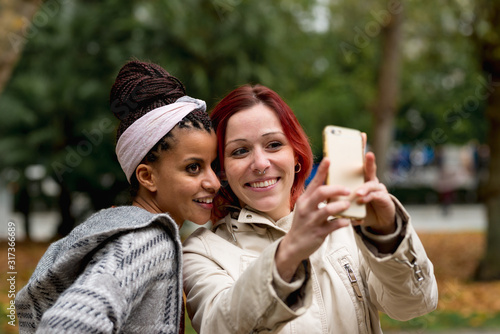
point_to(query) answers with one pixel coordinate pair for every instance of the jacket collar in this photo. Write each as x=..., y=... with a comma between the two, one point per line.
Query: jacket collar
x=248, y=215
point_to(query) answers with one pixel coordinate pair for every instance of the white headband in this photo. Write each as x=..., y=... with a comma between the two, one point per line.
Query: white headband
x=144, y=133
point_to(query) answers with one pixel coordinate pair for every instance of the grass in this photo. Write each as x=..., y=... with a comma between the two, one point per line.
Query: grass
x=463, y=303
x=444, y=320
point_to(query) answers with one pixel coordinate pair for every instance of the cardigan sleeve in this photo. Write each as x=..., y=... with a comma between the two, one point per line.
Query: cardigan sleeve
x=86, y=307
x=115, y=293
x=219, y=302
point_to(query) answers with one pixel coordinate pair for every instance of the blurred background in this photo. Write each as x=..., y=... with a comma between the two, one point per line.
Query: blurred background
x=421, y=78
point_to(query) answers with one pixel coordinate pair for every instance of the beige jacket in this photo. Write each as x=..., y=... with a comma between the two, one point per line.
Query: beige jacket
x=232, y=285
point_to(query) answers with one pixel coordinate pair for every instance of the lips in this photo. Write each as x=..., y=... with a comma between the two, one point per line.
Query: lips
x=262, y=184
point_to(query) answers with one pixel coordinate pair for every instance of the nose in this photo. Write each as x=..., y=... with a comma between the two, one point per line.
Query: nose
x=260, y=161
x=211, y=182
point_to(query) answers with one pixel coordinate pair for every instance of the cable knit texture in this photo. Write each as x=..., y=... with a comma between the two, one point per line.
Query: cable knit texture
x=118, y=272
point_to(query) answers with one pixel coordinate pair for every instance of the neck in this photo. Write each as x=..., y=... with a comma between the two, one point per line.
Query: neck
x=145, y=204
x=149, y=205
x=278, y=214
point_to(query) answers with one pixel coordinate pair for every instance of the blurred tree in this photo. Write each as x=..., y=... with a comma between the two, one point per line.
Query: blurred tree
x=15, y=18
x=333, y=64
x=58, y=95
x=386, y=105
x=439, y=80
x=320, y=56
x=487, y=37
x=58, y=101
x=440, y=76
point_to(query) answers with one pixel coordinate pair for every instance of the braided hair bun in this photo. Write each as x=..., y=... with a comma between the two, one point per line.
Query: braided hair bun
x=142, y=87
x=139, y=88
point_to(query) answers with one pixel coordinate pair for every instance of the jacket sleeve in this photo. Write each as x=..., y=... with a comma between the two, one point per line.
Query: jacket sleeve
x=401, y=284
x=220, y=301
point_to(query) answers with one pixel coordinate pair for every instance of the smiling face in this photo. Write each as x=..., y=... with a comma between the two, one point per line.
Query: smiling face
x=255, y=142
x=185, y=183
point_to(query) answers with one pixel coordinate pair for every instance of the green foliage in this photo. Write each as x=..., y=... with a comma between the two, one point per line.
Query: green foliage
x=443, y=91
x=322, y=58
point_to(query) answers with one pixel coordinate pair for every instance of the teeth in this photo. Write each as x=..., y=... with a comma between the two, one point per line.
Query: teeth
x=204, y=200
x=263, y=184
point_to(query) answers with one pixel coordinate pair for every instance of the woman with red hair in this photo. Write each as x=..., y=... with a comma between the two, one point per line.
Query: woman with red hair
x=275, y=261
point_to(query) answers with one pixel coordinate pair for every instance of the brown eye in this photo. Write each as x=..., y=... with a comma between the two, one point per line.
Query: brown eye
x=275, y=145
x=193, y=168
x=239, y=152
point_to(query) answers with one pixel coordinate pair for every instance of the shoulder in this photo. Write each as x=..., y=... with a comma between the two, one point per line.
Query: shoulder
x=209, y=243
x=148, y=247
x=199, y=240
x=153, y=236
x=107, y=233
x=135, y=253
x=128, y=224
x=121, y=218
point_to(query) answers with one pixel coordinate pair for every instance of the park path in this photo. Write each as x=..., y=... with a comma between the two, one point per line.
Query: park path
x=425, y=218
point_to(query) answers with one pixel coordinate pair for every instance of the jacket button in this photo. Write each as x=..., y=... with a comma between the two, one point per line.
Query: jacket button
x=249, y=216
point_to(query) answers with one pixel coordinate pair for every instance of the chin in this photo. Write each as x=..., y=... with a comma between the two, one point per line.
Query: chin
x=200, y=223
x=264, y=207
x=200, y=219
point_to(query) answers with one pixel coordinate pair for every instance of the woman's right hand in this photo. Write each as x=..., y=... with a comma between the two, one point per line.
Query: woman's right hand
x=310, y=224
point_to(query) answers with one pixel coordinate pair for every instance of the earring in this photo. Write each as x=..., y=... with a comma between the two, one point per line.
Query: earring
x=300, y=167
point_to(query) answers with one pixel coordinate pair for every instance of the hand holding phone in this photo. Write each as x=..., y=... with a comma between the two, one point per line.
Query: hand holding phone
x=344, y=148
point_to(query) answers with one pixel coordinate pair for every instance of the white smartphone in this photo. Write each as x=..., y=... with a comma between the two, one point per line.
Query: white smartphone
x=344, y=148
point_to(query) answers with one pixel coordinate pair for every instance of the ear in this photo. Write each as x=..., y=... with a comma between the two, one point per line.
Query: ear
x=144, y=174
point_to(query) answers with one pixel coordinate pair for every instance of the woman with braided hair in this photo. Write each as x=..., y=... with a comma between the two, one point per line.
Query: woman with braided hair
x=120, y=270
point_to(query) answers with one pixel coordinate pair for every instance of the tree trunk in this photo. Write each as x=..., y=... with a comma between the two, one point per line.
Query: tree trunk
x=489, y=268
x=24, y=207
x=67, y=222
x=15, y=18
x=385, y=108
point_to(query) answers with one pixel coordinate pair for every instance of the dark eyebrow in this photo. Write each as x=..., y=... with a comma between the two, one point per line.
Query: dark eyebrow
x=273, y=133
x=264, y=135
x=235, y=140
x=192, y=159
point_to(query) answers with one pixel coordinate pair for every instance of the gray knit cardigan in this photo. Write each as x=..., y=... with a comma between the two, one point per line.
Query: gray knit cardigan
x=118, y=272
